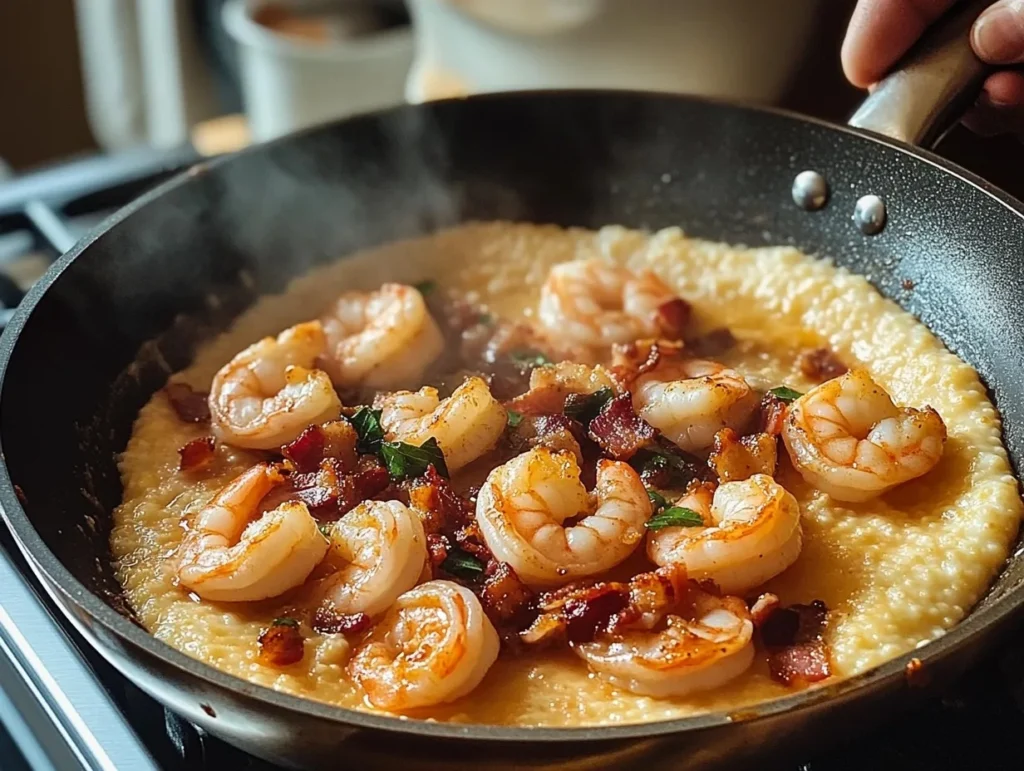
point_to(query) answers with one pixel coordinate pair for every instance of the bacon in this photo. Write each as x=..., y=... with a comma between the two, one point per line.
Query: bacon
x=441, y=508
x=336, y=439
x=508, y=602
x=772, y=415
x=797, y=654
x=470, y=540
x=763, y=608
x=326, y=621
x=619, y=431
x=734, y=458
x=581, y=611
x=331, y=490
x=712, y=343
x=281, y=643
x=631, y=360
x=672, y=318
x=197, y=454
x=189, y=405
x=821, y=364
x=437, y=549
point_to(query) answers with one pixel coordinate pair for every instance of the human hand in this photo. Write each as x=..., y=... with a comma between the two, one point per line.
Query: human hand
x=881, y=31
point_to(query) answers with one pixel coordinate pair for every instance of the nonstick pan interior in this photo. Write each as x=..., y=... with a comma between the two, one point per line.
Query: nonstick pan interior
x=127, y=307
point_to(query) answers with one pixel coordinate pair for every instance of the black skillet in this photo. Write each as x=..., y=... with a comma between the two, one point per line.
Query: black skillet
x=129, y=304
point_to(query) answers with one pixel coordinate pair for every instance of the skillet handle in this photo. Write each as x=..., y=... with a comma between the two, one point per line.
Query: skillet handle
x=934, y=84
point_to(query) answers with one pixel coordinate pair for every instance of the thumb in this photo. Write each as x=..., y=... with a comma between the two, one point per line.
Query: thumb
x=998, y=34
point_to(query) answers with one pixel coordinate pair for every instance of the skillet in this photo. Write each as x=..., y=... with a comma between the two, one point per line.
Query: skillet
x=130, y=303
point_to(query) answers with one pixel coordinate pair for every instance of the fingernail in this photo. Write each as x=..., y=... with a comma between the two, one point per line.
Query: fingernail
x=998, y=34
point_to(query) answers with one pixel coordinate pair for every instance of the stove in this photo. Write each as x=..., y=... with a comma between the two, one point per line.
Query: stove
x=62, y=707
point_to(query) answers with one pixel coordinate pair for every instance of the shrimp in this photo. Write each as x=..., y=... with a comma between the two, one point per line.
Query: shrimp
x=229, y=557
x=268, y=394
x=753, y=535
x=383, y=548
x=380, y=340
x=594, y=303
x=522, y=505
x=466, y=424
x=848, y=439
x=691, y=400
x=433, y=646
x=686, y=656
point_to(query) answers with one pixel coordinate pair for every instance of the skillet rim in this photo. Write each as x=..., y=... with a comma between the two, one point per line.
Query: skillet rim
x=59, y=580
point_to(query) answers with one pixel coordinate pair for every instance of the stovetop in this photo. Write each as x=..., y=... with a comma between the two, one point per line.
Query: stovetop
x=62, y=707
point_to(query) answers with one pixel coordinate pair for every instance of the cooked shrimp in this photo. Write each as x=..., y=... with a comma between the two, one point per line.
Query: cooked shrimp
x=848, y=439
x=691, y=400
x=434, y=645
x=550, y=384
x=227, y=556
x=268, y=394
x=753, y=533
x=382, y=549
x=466, y=424
x=382, y=339
x=522, y=505
x=687, y=656
x=595, y=303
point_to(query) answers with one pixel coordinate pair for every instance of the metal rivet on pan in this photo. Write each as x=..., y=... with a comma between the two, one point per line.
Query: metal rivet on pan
x=810, y=190
x=869, y=214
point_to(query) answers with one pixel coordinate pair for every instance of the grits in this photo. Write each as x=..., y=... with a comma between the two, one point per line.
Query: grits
x=896, y=571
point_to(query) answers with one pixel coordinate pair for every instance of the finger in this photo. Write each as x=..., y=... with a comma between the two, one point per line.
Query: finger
x=1000, y=108
x=881, y=31
x=998, y=34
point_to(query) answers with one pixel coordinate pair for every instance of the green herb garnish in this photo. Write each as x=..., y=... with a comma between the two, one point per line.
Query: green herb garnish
x=529, y=357
x=785, y=393
x=371, y=432
x=426, y=287
x=514, y=418
x=657, y=500
x=462, y=564
x=585, y=407
x=285, y=621
x=406, y=461
x=675, y=516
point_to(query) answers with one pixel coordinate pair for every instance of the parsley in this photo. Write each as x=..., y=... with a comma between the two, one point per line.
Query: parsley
x=657, y=500
x=462, y=565
x=514, y=418
x=426, y=287
x=371, y=432
x=585, y=407
x=285, y=621
x=406, y=461
x=675, y=516
x=529, y=357
x=784, y=393
x=665, y=465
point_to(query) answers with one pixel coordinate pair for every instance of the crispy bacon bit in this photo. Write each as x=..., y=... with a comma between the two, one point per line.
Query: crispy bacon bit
x=619, y=430
x=197, y=454
x=336, y=439
x=712, y=343
x=470, y=540
x=437, y=548
x=763, y=608
x=772, y=415
x=507, y=601
x=796, y=651
x=441, y=508
x=330, y=490
x=190, y=406
x=579, y=612
x=326, y=621
x=631, y=360
x=672, y=318
x=821, y=364
x=734, y=458
x=281, y=643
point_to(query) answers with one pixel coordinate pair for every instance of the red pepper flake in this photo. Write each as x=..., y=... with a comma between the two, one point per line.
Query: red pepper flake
x=673, y=317
x=190, y=406
x=281, y=644
x=821, y=364
x=326, y=621
x=619, y=430
x=197, y=454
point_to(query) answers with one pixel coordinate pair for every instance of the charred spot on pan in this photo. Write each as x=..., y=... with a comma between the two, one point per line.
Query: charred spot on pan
x=208, y=710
